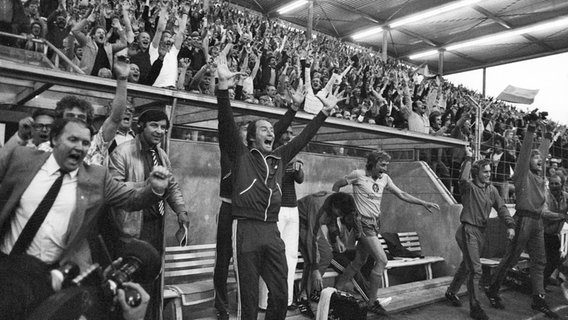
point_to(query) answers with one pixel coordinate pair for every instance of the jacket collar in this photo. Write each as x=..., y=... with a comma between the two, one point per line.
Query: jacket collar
x=270, y=155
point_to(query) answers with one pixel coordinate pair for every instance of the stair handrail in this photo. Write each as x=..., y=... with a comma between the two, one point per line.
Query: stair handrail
x=50, y=45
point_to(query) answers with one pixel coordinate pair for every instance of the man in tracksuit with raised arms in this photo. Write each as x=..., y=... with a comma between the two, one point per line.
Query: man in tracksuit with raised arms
x=257, y=173
x=529, y=233
x=225, y=219
x=478, y=197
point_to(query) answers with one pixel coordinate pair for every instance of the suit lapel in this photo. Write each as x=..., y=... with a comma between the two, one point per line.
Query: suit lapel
x=34, y=167
x=31, y=166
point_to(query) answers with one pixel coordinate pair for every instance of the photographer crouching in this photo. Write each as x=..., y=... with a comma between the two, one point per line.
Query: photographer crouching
x=49, y=203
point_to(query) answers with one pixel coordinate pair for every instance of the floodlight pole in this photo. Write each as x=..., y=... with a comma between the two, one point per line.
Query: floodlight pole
x=484, y=82
x=441, y=62
x=310, y=20
x=385, y=44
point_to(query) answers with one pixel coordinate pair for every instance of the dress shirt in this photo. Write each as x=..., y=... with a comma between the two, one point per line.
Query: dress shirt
x=50, y=240
x=121, y=137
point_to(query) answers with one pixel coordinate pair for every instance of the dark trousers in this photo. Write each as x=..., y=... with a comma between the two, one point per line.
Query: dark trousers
x=344, y=259
x=260, y=252
x=470, y=239
x=325, y=256
x=223, y=254
x=529, y=234
x=552, y=248
x=153, y=233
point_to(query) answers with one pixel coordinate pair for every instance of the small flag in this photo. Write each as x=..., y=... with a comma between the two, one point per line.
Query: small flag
x=518, y=95
x=425, y=71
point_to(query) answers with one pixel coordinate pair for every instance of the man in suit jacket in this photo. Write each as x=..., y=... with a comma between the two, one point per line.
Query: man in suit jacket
x=94, y=188
x=26, y=175
x=132, y=162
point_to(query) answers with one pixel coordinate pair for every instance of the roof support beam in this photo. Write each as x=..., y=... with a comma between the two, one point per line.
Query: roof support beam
x=345, y=7
x=508, y=26
x=195, y=117
x=419, y=37
x=310, y=23
x=29, y=93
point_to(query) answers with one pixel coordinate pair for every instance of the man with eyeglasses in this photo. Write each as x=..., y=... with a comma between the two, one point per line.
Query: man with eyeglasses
x=132, y=162
x=368, y=186
x=67, y=107
x=34, y=130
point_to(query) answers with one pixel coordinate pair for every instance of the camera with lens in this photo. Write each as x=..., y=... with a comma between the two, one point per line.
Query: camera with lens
x=90, y=294
x=535, y=115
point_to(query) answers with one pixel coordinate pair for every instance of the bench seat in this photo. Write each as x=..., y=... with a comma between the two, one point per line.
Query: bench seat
x=411, y=242
x=188, y=271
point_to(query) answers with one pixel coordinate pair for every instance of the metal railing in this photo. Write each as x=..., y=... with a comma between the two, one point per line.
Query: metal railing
x=46, y=44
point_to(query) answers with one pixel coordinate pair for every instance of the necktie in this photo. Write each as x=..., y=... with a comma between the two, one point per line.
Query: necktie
x=37, y=218
x=156, y=163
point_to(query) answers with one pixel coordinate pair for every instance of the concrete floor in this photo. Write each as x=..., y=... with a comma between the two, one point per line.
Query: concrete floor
x=517, y=307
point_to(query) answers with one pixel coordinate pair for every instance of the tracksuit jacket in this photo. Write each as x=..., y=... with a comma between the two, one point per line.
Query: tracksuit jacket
x=256, y=177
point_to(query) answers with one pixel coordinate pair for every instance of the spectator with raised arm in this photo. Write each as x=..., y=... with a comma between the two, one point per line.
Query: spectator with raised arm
x=478, y=197
x=172, y=44
x=97, y=51
x=529, y=234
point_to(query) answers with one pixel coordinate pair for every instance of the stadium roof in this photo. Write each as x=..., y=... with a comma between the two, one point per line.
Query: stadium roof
x=537, y=27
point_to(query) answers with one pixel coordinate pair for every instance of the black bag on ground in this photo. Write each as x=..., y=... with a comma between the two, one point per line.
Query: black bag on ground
x=396, y=249
x=344, y=306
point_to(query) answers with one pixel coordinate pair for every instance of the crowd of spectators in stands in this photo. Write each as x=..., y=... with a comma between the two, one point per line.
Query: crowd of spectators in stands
x=174, y=45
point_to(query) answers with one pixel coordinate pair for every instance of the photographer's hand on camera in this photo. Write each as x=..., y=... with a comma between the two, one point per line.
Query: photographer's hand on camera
x=129, y=312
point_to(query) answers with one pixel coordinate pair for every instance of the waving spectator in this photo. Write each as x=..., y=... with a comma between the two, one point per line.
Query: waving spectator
x=97, y=51
x=172, y=44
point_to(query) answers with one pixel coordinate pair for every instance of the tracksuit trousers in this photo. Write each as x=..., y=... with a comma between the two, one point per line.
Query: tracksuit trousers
x=529, y=234
x=289, y=227
x=258, y=250
x=552, y=246
x=223, y=254
x=470, y=240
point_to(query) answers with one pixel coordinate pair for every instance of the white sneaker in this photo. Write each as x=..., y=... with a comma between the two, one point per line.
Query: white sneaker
x=564, y=288
x=386, y=301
